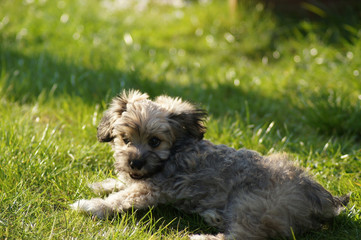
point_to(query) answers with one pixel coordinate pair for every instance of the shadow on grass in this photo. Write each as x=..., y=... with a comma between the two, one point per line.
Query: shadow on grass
x=29, y=77
x=343, y=116
x=26, y=79
x=169, y=219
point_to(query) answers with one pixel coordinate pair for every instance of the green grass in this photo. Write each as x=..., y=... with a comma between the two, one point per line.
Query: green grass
x=270, y=81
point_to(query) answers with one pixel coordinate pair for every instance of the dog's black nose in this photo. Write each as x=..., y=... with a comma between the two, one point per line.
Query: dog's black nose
x=137, y=164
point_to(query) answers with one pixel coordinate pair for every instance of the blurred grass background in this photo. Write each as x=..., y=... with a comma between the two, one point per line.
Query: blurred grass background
x=274, y=76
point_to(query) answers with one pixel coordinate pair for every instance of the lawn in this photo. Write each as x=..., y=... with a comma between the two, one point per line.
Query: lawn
x=271, y=80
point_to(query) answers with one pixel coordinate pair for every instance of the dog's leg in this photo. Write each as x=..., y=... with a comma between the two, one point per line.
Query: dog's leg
x=95, y=206
x=107, y=186
x=137, y=195
x=219, y=236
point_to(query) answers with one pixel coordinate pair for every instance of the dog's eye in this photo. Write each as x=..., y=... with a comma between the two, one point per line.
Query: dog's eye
x=154, y=142
x=126, y=140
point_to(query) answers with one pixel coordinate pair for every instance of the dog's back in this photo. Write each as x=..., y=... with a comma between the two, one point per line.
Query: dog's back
x=248, y=195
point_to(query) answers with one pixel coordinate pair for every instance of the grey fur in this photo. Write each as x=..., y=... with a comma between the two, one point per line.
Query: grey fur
x=244, y=194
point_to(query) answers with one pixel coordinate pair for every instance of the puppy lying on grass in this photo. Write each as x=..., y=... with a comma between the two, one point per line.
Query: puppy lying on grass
x=161, y=157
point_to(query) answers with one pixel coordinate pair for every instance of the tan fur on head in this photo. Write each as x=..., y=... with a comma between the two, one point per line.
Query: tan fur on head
x=117, y=107
x=174, y=105
x=161, y=157
x=133, y=121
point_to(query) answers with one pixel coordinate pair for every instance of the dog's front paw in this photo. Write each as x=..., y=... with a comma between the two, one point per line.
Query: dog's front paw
x=96, y=207
x=107, y=186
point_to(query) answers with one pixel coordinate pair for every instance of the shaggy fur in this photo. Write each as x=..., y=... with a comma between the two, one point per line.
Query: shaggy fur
x=161, y=157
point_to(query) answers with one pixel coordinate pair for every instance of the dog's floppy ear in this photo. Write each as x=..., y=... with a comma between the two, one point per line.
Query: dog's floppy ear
x=184, y=118
x=116, y=109
x=105, y=129
x=190, y=123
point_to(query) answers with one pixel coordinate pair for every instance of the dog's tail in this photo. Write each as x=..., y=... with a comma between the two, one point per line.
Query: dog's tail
x=325, y=206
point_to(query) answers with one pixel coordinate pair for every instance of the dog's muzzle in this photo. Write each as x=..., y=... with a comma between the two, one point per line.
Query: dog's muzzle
x=145, y=166
x=137, y=164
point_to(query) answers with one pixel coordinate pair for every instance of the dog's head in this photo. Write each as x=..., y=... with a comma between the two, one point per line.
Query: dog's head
x=143, y=132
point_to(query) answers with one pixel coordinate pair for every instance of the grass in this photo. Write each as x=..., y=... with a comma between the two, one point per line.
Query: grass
x=270, y=81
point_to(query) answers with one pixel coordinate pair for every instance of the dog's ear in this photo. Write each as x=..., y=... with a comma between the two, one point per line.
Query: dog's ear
x=189, y=123
x=104, y=130
x=116, y=109
x=184, y=117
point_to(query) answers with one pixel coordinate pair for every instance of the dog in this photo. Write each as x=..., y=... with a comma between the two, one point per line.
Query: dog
x=162, y=158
